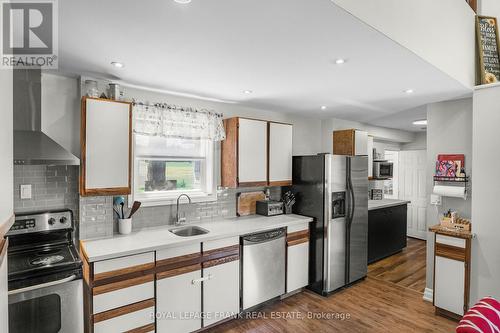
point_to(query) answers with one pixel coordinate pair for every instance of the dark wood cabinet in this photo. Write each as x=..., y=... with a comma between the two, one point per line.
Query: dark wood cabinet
x=386, y=232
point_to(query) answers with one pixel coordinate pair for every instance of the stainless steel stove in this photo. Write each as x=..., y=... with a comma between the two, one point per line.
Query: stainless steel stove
x=44, y=270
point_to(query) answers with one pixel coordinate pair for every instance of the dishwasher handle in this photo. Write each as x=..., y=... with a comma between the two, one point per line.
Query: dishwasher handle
x=264, y=237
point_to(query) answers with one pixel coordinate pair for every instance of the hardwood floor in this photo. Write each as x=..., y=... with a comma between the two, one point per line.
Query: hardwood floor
x=406, y=268
x=388, y=300
x=372, y=305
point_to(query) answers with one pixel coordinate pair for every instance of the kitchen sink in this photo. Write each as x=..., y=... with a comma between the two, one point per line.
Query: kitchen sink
x=189, y=231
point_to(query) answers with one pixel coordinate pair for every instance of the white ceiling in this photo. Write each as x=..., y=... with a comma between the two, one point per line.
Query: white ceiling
x=282, y=50
x=403, y=120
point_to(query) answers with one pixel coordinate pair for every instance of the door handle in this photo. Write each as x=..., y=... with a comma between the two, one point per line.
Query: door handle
x=42, y=285
x=205, y=278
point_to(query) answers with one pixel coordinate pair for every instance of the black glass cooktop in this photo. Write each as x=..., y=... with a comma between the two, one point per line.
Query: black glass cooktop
x=41, y=260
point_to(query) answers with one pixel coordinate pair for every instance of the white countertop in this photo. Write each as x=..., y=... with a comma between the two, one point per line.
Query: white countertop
x=160, y=237
x=385, y=203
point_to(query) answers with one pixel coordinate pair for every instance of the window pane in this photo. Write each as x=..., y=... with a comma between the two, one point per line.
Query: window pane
x=160, y=146
x=168, y=175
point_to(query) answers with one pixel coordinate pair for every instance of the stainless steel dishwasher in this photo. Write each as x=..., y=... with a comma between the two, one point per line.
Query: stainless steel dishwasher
x=263, y=267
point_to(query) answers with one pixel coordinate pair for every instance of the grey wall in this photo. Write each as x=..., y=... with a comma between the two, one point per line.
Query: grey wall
x=6, y=146
x=449, y=131
x=485, y=275
x=419, y=143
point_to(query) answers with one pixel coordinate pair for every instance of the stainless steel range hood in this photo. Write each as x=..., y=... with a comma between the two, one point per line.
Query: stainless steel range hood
x=31, y=145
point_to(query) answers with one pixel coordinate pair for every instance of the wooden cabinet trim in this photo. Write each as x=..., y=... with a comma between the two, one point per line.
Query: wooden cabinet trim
x=122, y=284
x=221, y=252
x=281, y=183
x=252, y=184
x=4, y=244
x=123, y=274
x=84, y=191
x=143, y=329
x=298, y=237
x=220, y=261
x=178, y=271
x=178, y=262
x=229, y=154
x=450, y=252
x=123, y=310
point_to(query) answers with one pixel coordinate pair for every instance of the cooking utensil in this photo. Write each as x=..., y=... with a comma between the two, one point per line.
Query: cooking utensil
x=123, y=214
x=135, y=206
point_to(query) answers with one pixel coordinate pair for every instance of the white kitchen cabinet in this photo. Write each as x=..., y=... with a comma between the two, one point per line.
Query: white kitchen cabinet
x=297, y=269
x=221, y=287
x=370, y=156
x=221, y=292
x=451, y=274
x=360, y=143
x=178, y=289
x=252, y=151
x=256, y=153
x=106, y=140
x=178, y=302
x=280, y=154
x=449, y=285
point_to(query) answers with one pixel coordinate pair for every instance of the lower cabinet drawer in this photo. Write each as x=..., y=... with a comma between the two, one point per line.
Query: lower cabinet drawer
x=139, y=317
x=122, y=293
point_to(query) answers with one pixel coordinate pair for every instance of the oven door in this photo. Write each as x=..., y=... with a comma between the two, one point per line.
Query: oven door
x=51, y=307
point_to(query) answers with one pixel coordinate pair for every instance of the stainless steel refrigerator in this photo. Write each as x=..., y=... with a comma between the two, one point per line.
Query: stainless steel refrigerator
x=333, y=189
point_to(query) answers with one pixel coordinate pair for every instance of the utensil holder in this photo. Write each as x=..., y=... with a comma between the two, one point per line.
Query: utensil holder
x=288, y=209
x=125, y=226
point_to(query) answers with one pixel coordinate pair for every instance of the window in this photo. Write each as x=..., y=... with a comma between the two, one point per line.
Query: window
x=166, y=167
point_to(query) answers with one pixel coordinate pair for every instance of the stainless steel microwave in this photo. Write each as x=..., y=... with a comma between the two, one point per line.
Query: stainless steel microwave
x=382, y=169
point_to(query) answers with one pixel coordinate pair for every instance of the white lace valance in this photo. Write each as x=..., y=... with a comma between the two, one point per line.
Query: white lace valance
x=178, y=122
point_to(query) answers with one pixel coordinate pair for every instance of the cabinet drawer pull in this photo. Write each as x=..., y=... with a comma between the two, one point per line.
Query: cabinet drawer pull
x=205, y=278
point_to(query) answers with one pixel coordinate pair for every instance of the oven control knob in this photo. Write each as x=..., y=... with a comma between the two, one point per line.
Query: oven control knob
x=63, y=219
x=52, y=221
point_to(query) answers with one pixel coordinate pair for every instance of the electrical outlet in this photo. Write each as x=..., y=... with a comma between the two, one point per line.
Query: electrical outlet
x=26, y=191
x=435, y=200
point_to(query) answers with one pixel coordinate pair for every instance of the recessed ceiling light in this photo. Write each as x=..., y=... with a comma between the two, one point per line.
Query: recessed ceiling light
x=247, y=91
x=340, y=61
x=117, y=64
x=183, y=1
x=421, y=122
x=323, y=107
x=409, y=91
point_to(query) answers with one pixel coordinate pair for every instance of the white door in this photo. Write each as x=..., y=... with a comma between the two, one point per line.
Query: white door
x=221, y=292
x=412, y=181
x=252, y=151
x=178, y=303
x=280, y=152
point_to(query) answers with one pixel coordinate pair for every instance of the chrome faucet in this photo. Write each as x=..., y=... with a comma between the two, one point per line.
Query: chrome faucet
x=179, y=220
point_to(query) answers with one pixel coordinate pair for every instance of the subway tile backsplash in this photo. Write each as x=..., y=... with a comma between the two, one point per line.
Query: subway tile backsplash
x=56, y=187
x=52, y=187
x=98, y=219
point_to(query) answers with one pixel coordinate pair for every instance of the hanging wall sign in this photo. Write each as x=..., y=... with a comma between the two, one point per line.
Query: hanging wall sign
x=488, y=43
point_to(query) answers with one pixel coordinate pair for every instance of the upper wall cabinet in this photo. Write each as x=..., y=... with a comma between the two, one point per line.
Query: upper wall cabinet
x=350, y=142
x=256, y=153
x=106, y=138
x=280, y=154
